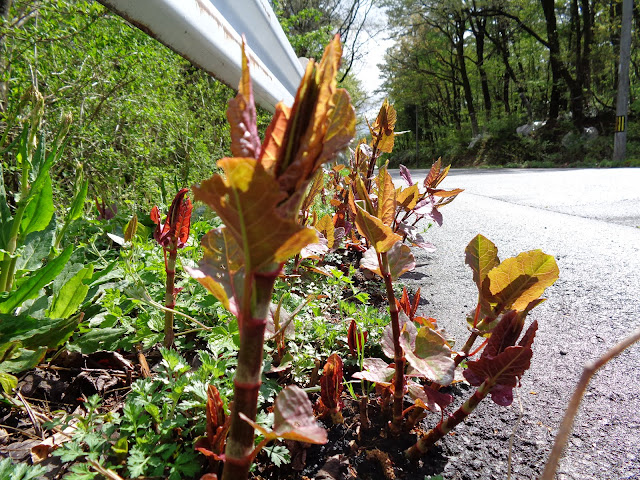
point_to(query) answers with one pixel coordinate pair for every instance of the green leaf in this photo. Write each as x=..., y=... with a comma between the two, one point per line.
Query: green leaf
x=24, y=360
x=71, y=295
x=77, y=207
x=31, y=287
x=37, y=247
x=482, y=256
x=386, y=211
x=8, y=382
x=518, y=281
x=35, y=332
x=39, y=210
x=98, y=339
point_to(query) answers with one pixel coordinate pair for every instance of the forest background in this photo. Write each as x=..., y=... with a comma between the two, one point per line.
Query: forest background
x=464, y=75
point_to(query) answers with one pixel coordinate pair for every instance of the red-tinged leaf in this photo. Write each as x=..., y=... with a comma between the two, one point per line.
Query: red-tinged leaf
x=363, y=196
x=432, y=399
x=175, y=231
x=316, y=250
x=265, y=236
x=502, y=371
x=408, y=198
x=403, y=303
x=416, y=302
x=426, y=207
x=377, y=371
x=331, y=383
x=274, y=145
x=520, y=280
x=355, y=338
x=412, y=234
x=505, y=334
x=448, y=194
x=432, y=176
x=369, y=261
x=317, y=184
x=241, y=115
x=382, y=129
x=407, y=328
x=293, y=417
x=482, y=256
x=220, y=271
x=341, y=129
x=386, y=208
x=431, y=355
x=406, y=175
x=322, y=122
x=400, y=259
x=381, y=237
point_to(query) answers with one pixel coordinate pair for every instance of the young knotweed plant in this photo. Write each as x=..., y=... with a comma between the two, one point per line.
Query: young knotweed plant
x=258, y=198
x=507, y=292
x=172, y=235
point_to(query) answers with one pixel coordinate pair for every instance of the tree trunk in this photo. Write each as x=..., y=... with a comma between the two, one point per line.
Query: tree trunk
x=464, y=77
x=548, y=7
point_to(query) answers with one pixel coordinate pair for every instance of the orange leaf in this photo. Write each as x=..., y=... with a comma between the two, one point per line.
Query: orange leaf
x=379, y=235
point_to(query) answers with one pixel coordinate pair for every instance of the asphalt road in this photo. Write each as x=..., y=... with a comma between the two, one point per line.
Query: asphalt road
x=588, y=220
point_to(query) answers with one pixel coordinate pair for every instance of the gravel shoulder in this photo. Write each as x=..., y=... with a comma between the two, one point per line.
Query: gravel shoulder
x=586, y=219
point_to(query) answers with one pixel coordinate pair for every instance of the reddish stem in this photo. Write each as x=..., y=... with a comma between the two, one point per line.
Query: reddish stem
x=169, y=295
x=398, y=353
x=423, y=445
x=252, y=321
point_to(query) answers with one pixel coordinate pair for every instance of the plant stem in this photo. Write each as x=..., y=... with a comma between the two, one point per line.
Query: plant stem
x=398, y=353
x=247, y=381
x=574, y=404
x=8, y=262
x=170, y=296
x=423, y=445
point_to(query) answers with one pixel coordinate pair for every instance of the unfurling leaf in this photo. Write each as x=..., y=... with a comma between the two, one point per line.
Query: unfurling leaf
x=406, y=175
x=382, y=129
x=356, y=338
x=432, y=399
x=379, y=235
x=518, y=281
x=431, y=355
x=241, y=114
x=217, y=427
x=436, y=174
x=408, y=198
x=264, y=235
x=331, y=384
x=503, y=363
x=175, y=231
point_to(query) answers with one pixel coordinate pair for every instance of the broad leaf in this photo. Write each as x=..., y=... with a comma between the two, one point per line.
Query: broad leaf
x=36, y=248
x=407, y=328
x=520, y=280
x=264, y=236
x=482, y=256
x=408, y=198
x=430, y=398
x=377, y=371
x=503, y=370
x=431, y=355
x=386, y=210
x=220, y=271
x=379, y=235
x=30, y=287
x=39, y=211
x=415, y=237
x=326, y=228
x=241, y=115
x=71, y=295
x=292, y=418
x=317, y=184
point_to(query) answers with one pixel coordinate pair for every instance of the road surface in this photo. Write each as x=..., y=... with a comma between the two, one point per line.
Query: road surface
x=588, y=220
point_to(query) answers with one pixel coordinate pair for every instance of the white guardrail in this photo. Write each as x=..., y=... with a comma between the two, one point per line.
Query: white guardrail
x=208, y=34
